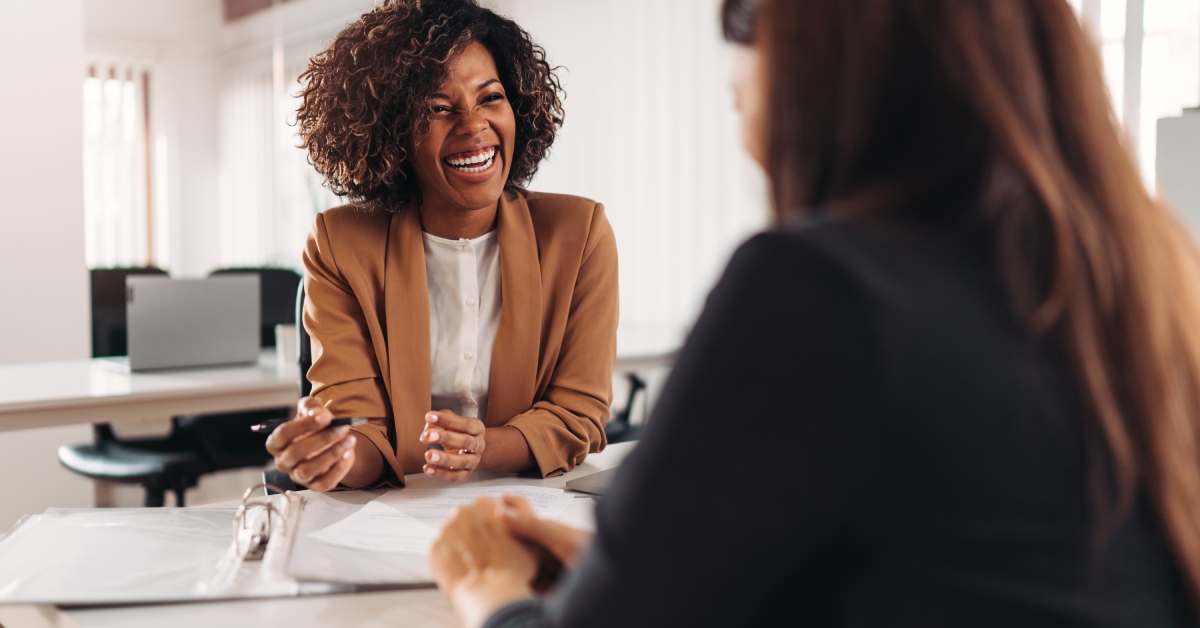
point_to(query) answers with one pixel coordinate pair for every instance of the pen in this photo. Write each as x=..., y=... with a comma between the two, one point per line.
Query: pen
x=269, y=426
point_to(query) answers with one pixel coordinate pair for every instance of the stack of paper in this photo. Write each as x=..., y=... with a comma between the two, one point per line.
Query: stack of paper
x=387, y=541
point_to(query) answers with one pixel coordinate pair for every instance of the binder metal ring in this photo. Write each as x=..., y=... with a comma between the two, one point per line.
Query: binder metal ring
x=249, y=543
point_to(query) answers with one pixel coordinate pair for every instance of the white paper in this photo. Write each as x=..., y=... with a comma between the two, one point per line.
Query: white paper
x=114, y=555
x=407, y=521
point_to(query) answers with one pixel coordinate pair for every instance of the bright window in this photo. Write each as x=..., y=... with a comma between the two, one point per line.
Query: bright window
x=1166, y=77
x=117, y=201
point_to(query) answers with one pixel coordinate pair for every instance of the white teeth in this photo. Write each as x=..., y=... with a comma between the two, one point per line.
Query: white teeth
x=485, y=155
x=487, y=164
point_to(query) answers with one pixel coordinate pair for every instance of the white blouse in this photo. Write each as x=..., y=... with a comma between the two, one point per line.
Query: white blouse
x=464, y=311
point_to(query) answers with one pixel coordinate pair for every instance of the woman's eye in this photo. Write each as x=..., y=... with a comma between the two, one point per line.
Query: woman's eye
x=441, y=109
x=493, y=97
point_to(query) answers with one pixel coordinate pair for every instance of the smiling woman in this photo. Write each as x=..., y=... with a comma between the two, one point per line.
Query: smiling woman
x=456, y=160
x=472, y=321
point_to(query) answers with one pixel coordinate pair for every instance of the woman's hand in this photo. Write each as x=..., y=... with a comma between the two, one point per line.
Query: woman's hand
x=562, y=542
x=479, y=565
x=462, y=439
x=309, y=453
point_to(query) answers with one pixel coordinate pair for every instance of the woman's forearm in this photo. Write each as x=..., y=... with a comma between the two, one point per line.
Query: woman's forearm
x=506, y=451
x=368, y=464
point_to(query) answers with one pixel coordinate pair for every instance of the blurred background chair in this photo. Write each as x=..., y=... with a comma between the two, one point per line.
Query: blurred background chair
x=620, y=427
x=275, y=477
x=303, y=344
x=108, y=308
x=196, y=445
x=278, y=300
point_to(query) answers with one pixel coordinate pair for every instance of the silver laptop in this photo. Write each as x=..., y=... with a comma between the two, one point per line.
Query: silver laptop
x=594, y=483
x=178, y=323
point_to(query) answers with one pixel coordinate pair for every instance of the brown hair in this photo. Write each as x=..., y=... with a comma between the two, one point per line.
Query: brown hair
x=875, y=104
x=363, y=105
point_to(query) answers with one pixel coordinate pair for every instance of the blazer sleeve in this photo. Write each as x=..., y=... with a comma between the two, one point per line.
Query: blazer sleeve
x=345, y=372
x=568, y=421
x=781, y=374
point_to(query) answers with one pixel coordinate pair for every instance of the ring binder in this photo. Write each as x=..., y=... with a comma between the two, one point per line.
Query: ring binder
x=250, y=544
x=264, y=529
x=117, y=557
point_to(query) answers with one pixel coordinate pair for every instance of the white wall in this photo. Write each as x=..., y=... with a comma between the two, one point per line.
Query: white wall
x=268, y=191
x=44, y=315
x=651, y=132
x=181, y=38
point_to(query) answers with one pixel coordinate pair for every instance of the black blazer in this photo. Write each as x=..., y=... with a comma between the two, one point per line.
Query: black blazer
x=859, y=433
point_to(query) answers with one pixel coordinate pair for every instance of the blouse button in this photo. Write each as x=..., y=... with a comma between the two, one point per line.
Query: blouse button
x=470, y=301
x=467, y=355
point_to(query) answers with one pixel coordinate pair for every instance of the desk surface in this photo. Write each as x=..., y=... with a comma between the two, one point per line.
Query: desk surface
x=48, y=394
x=647, y=346
x=365, y=610
x=73, y=392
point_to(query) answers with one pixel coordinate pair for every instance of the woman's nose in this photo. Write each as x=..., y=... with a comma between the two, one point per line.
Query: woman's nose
x=471, y=122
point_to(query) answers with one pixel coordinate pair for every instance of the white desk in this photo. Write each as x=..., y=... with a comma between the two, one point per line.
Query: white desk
x=364, y=610
x=49, y=394
x=647, y=347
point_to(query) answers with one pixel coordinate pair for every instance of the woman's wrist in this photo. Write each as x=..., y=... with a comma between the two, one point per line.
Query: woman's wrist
x=507, y=451
x=368, y=464
x=480, y=595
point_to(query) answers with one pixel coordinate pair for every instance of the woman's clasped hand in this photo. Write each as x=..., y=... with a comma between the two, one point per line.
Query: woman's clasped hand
x=462, y=444
x=493, y=553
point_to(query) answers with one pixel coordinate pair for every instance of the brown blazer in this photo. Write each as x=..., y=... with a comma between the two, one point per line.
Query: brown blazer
x=367, y=310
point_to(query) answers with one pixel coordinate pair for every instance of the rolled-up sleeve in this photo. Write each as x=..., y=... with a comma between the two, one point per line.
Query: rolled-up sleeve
x=568, y=421
x=345, y=372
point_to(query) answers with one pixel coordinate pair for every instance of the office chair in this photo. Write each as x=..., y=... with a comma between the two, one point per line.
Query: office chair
x=226, y=438
x=303, y=344
x=157, y=464
x=620, y=429
x=197, y=445
x=275, y=477
x=279, y=287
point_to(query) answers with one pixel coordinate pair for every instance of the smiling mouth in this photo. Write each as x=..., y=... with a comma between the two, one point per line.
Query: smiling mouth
x=476, y=161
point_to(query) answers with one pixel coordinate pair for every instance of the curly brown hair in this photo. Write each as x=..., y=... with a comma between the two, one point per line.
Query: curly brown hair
x=363, y=106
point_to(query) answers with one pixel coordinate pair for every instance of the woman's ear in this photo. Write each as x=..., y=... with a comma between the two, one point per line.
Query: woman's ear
x=749, y=97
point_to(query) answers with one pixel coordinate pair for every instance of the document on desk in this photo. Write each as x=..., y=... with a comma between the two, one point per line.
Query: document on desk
x=114, y=556
x=407, y=521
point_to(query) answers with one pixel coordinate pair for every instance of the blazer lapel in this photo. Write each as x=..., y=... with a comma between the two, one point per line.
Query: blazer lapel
x=406, y=297
x=515, y=354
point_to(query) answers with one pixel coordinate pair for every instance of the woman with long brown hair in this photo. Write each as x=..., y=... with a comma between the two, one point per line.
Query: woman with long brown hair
x=964, y=369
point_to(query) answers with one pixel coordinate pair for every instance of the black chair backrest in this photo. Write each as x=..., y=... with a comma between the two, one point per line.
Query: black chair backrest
x=278, y=291
x=303, y=344
x=109, y=317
